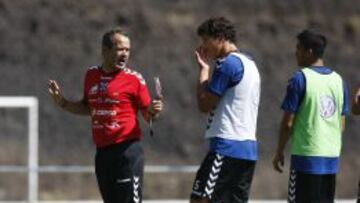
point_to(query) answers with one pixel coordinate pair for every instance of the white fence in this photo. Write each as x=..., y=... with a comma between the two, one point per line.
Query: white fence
x=33, y=169
x=180, y=201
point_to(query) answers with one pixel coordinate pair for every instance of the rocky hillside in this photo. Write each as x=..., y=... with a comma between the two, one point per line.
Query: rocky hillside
x=41, y=40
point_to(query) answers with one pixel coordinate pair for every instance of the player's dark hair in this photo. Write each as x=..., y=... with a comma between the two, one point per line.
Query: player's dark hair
x=107, y=39
x=218, y=27
x=314, y=41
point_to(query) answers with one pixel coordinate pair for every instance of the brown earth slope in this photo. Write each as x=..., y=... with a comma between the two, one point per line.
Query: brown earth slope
x=42, y=39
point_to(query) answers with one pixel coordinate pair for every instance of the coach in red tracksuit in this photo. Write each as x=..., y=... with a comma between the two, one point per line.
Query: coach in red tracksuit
x=113, y=95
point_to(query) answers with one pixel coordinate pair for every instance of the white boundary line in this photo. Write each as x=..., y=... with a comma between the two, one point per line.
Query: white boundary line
x=90, y=169
x=172, y=201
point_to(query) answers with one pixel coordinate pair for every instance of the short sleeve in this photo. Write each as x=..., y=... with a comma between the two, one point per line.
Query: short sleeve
x=143, y=96
x=294, y=93
x=227, y=74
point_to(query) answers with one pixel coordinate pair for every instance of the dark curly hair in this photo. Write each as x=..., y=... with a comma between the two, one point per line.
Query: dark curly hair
x=314, y=41
x=218, y=27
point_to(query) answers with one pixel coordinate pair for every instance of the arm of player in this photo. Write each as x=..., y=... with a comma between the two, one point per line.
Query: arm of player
x=284, y=135
x=356, y=103
x=153, y=111
x=206, y=101
x=76, y=107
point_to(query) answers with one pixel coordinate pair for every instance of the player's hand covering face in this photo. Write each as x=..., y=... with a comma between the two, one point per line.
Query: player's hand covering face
x=201, y=58
x=211, y=47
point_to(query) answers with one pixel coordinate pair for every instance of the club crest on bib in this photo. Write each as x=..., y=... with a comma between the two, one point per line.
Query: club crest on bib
x=327, y=106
